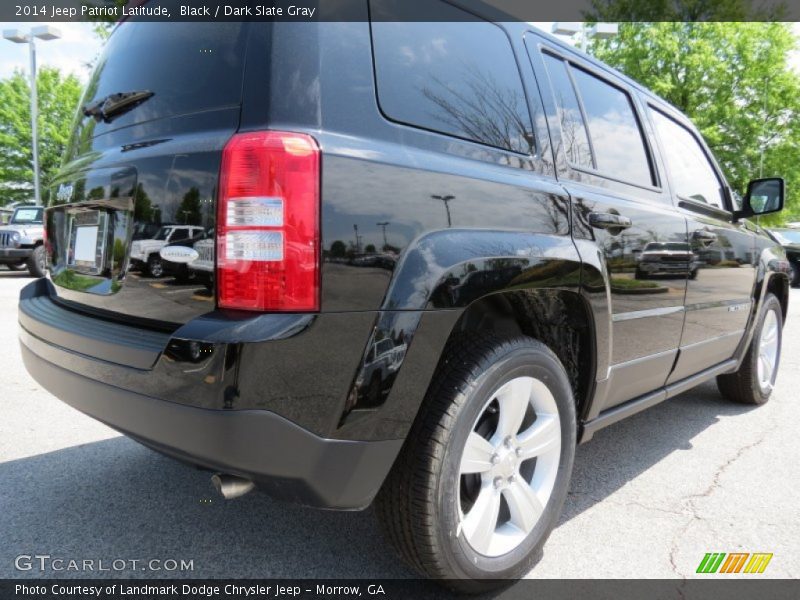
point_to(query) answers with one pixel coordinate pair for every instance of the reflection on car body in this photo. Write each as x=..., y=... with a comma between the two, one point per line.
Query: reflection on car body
x=667, y=258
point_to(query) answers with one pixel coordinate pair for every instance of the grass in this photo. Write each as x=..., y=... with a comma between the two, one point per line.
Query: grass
x=73, y=281
x=631, y=284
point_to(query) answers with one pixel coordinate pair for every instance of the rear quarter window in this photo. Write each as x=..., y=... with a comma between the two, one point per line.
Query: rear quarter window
x=456, y=76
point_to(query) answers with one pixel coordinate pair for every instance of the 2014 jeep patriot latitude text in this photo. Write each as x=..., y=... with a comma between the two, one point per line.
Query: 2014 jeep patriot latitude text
x=427, y=284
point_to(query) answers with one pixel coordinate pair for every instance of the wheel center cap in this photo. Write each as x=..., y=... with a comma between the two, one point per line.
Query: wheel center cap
x=507, y=462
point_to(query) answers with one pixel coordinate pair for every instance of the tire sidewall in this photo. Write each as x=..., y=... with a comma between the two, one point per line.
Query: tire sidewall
x=522, y=360
x=36, y=263
x=770, y=304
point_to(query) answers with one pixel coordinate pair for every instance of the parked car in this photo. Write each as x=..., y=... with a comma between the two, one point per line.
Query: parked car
x=145, y=254
x=22, y=241
x=177, y=258
x=318, y=137
x=667, y=258
x=790, y=240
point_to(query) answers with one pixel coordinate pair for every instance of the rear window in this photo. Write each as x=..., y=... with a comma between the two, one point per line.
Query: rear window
x=456, y=76
x=190, y=67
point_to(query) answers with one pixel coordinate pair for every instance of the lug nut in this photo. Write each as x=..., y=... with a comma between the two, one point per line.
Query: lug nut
x=518, y=451
x=498, y=482
x=507, y=442
x=495, y=459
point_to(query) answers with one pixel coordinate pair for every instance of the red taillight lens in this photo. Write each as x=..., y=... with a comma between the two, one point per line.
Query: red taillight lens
x=268, y=223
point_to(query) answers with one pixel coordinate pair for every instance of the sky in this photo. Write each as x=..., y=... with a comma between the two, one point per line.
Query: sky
x=79, y=45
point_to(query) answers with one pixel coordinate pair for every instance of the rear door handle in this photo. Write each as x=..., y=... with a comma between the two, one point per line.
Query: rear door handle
x=609, y=221
x=703, y=235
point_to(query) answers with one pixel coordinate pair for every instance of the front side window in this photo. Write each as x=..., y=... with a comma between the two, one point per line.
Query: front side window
x=456, y=76
x=691, y=173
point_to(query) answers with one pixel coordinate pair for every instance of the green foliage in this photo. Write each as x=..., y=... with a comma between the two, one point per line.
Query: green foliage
x=189, y=208
x=58, y=97
x=733, y=80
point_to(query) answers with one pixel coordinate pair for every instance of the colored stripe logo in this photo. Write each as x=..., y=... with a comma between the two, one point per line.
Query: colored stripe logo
x=734, y=562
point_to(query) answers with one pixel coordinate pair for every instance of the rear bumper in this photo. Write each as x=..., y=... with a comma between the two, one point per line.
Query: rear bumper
x=281, y=457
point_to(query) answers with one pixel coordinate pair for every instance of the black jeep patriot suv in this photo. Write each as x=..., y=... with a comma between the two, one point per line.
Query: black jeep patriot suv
x=426, y=241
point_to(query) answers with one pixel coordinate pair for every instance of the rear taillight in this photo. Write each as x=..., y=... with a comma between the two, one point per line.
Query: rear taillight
x=268, y=223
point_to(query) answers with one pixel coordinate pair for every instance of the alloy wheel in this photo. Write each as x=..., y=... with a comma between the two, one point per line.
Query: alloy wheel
x=508, y=466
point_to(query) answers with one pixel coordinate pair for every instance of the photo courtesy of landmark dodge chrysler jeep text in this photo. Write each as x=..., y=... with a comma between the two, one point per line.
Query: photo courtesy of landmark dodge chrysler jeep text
x=425, y=256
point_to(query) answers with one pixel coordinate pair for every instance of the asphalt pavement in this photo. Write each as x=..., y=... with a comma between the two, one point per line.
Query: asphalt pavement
x=649, y=496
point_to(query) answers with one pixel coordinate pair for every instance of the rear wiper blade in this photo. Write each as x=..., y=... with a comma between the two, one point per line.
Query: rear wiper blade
x=113, y=105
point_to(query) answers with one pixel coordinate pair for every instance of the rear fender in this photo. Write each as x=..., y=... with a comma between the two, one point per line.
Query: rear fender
x=441, y=274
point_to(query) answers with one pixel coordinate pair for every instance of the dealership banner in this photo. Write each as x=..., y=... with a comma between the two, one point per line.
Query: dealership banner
x=356, y=10
x=390, y=589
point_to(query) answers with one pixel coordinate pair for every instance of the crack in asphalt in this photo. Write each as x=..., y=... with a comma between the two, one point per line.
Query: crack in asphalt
x=693, y=510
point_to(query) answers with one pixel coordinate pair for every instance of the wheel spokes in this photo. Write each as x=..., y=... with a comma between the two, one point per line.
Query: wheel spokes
x=523, y=504
x=477, y=457
x=481, y=521
x=542, y=436
x=514, y=399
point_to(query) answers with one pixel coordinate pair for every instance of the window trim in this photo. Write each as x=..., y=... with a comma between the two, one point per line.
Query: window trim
x=537, y=148
x=656, y=180
x=689, y=203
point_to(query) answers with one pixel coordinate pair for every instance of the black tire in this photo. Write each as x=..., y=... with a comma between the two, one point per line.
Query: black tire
x=640, y=274
x=693, y=274
x=17, y=267
x=155, y=268
x=419, y=504
x=795, y=274
x=36, y=262
x=744, y=386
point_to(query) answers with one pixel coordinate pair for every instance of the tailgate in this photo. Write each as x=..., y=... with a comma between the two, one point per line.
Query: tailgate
x=141, y=174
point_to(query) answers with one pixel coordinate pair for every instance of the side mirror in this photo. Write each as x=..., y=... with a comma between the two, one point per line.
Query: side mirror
x=763, y=197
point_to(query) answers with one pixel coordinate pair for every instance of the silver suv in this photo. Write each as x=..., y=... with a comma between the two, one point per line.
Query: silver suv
x=22, y=241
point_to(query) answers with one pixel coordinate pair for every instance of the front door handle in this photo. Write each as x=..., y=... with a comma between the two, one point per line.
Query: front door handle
x=609, y=221
x=705, y=236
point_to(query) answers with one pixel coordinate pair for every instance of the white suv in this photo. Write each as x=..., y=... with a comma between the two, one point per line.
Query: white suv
x=145, y=253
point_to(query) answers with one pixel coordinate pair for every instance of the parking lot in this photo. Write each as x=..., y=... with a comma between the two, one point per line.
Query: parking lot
x=649, y=497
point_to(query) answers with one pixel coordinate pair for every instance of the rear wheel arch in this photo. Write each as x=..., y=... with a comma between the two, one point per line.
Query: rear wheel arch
x=560, y=319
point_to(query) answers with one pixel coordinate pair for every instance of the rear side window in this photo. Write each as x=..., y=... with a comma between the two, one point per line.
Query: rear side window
x=189, y=67
x=456, y=76
x=604, y=133
x=690, y=171
x=573, y=130
x=616, y=135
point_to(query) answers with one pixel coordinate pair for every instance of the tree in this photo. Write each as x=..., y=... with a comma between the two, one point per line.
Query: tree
x=189, y=209
x=338, y=249
x=58, y=99
x=733, y=80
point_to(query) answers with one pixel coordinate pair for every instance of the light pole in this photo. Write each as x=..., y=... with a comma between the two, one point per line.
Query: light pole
x=446, y=200
x=383, y=225
x=598, y=30
x=44, y=33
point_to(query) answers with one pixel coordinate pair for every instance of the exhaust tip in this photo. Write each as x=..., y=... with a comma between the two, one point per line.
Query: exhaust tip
x=230, y=486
